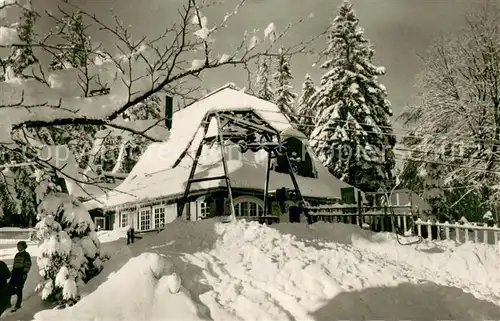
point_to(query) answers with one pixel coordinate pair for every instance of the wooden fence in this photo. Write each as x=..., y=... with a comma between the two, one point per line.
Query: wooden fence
x=377, y=218
x=387, y=219
x=461, y=233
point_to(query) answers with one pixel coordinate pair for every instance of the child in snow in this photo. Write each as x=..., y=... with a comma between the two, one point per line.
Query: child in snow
x=20, y=270
x=4, y=290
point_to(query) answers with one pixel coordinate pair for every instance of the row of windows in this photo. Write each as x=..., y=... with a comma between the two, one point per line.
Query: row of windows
x=149, y=220
x=248, y=209
x=146, y=220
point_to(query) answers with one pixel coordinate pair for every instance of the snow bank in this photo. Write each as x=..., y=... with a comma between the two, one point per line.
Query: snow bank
x=8, y=253
x=16, y=229
x=247, y=271
x=259, y=273
x=141, y=290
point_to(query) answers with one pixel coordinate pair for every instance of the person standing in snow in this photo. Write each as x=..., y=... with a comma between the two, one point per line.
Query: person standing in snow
x=20, y=270
x=4, y=289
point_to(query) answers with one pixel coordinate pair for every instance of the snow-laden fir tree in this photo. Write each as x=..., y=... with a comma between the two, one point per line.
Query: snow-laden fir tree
x=284, y=97
x=305, y=110
x=353, y=137
x=264, y=83
x=21, y=57
x=69, y=247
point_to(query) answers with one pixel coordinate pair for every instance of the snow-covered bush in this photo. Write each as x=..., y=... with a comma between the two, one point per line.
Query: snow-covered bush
x=488, y=218
x=69, y=247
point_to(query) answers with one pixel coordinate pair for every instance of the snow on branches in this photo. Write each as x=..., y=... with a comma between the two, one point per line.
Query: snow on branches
x=100, y=82
x=455, y=132
x=353, y=134
x=284, y=95
x=69, y=247
x=305, y=110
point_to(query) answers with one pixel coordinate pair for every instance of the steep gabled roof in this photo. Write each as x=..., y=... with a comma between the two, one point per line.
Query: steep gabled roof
x=153, y=175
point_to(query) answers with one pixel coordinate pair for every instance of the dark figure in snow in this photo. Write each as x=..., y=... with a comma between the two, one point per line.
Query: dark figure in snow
x=20, y=270
x=4, y=289
x=131, y=235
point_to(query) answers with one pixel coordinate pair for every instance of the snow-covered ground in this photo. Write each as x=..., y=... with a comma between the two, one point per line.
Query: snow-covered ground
x=8, y=250
x=247, y=271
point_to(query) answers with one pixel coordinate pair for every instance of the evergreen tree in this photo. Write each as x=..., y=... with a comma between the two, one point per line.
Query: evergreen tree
x=23, y=57
x=305, y=110
x=353, y=137
x=70, y=249
x=284, y=96
x=264, y=84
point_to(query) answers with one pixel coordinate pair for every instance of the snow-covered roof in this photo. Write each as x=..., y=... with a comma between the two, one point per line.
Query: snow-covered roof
x=153, y=175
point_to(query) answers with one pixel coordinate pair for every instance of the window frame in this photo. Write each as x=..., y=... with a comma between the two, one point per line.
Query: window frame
x=159, y=214
x=144, y=212
x=125, y=214
x=247, y=208
x=204, y=209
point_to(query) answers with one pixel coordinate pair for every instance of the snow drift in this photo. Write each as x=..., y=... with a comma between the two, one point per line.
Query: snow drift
x=141, y=290
x=248, y=271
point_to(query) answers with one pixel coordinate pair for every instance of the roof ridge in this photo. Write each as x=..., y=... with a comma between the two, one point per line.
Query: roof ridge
x=229, y=85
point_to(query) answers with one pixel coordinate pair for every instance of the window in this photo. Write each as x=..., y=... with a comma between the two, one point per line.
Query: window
x=159, y=216
x=145, y=219
x=204, y=209
x=251, y=209
x=100, y=223
x=124, y=219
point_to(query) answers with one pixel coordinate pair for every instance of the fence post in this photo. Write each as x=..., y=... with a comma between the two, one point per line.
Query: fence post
x=447, y=230
x=360, y=209
x=419, y=227
x=429, y=229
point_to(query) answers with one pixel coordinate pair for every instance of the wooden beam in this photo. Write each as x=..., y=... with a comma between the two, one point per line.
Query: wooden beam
x=246, y=123
x=204, y=124
x=294, y=181
x=183, y=201
x=266, y=185
x=205, y=179
x=226, y=173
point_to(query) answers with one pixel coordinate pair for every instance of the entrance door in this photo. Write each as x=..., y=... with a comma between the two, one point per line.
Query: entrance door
x=100, y=223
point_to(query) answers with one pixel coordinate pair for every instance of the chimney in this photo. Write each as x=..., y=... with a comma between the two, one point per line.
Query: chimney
x=169, y=102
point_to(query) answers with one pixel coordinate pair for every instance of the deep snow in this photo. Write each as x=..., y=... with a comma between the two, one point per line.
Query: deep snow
x=247, y=271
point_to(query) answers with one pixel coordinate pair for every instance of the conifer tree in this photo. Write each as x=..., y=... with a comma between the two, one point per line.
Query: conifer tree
x=353, y=137
x=305, y=111
x=284, y=96
x=69, y=247
x=264, y=84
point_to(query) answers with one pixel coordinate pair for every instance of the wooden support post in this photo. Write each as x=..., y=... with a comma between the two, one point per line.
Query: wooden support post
x=204, y=124
x=360, y=209
x=266, y=186
x=295, y=184
x=224, y=164
x=180, y=207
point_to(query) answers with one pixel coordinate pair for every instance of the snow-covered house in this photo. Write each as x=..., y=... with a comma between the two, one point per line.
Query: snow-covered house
x=156, y=188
